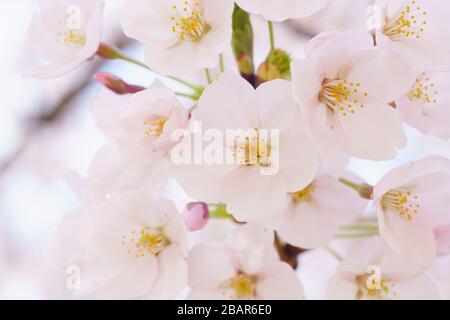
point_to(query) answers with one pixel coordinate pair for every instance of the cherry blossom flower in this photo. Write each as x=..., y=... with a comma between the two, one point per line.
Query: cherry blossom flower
x=371, y=271
x=241, y=268
x=343, y=90
x=412, y=201
x=426, y=106
x=141, y=125
x=181, y=36
x=249, y=192
x=282, y=9
x=62, y=36
x=415, y=29
x=313, y=214
x=128, y=246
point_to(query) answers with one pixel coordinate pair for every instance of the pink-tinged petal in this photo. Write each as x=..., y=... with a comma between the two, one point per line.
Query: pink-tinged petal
x=305, y=228
x=299, y=159
x=414, y=239
x=383, y=74
x=338, y=203
x=250, y=248
x=279, y=282
x=410, y=171
x=307, y=78
x=283, y=9
x=235, y=98
x=363, y=254
x=340, y=49
x=209, y=265
x=207, y=295
x=175, y=228
x=318, y=41
x=215, y=10
x=252, y=196
x=172, y=275
x=202, y=181
x=442, y=235
x=132, y=282
x=359, y=132
x=324, y=134
x=142, y=21
x=417, y=288
x=110, y=172
x=340, y=288
x=107, y=109
x=278, y=111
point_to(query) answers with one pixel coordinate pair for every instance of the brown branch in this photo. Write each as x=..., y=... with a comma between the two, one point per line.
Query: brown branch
x=287, y=253
x=34, y=125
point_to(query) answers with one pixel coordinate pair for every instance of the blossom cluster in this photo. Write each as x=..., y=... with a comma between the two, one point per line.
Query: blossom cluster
x=348, y=96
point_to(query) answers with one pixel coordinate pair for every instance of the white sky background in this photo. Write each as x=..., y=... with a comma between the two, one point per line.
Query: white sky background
x=33, y=194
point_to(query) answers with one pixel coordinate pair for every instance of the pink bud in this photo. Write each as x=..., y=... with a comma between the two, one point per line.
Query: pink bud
x=116, y=84
x=196, y=215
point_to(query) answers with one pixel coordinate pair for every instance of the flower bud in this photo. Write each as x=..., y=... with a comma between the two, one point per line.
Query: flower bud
x=196, y=215
x=276, y=66
x=242, y=42
x=116, y=84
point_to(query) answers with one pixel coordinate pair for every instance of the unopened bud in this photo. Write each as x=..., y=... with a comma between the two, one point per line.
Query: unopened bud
x=116, y=84
x=366, y=191
x=196, y=215
x=276, y=66
x=242, y=41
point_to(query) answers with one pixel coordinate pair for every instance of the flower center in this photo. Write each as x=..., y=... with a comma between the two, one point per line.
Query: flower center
x=403, y=202
x=370, y=289
x=147, y=241
x=304, y=195
x=341, y=97
x=252, y=148
x=410, y=24
x=188, y=21
x=156, y=127
x=242, y=287
x=423, y=90
x=71, y=37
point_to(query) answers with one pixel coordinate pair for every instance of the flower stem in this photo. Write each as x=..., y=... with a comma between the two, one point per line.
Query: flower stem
x=271, y=36
x=360, y=227
x=208, y=76
x=334, y=253
x=185, y=95
x=365, y=190
x=111, y=53
x=127, y=58
x=222, y=64
x=218, y=211
x=354, y=186
x=356, y=235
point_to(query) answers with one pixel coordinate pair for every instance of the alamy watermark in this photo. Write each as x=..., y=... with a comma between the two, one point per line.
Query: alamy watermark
x=247, y=147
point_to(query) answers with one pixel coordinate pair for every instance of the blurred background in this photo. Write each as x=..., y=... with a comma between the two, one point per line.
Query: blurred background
x=46, y=130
